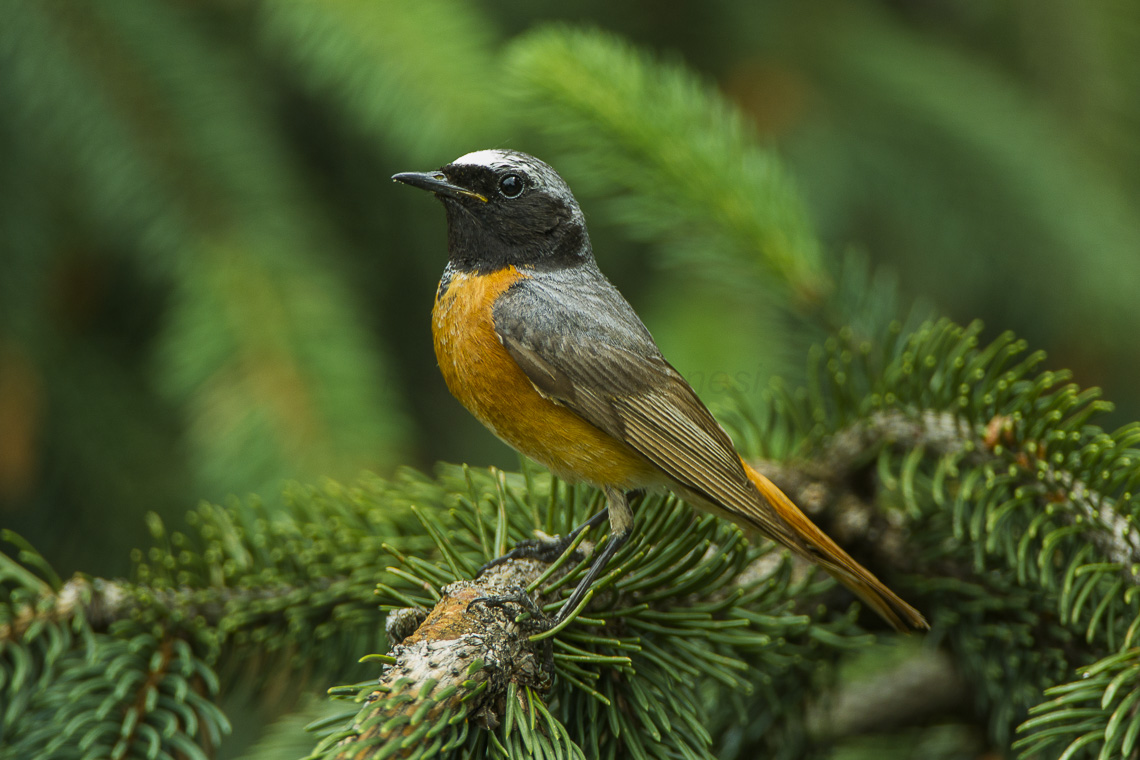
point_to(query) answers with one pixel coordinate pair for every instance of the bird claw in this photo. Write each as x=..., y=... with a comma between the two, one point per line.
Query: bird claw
x=547, y=549
x=544, y=550
x=518, y=597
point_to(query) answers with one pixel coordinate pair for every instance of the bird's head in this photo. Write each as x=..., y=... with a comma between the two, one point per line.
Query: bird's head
x=506, y=208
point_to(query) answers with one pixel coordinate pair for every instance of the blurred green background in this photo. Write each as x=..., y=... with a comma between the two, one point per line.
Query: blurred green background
x=209, y=285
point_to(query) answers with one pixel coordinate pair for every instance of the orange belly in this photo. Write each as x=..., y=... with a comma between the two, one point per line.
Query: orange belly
x=483, y=376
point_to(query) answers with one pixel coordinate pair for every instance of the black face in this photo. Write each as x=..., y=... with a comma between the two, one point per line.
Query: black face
x=506, y=208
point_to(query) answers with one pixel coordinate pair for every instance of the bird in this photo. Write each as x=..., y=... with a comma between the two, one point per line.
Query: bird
x=541, y=348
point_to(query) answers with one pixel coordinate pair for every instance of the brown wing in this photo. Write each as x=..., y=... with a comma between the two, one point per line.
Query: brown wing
x=608, y=370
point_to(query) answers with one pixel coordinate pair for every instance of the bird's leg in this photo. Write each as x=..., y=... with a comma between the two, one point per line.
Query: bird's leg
x=621, y=525
x=545, y=549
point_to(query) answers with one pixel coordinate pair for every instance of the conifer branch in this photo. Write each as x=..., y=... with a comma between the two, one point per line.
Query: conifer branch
x=458, y=663
x=827, y=478
x=1019, y=511
x=687, y=602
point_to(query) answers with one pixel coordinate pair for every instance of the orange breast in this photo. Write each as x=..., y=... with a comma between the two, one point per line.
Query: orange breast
x=483, y=376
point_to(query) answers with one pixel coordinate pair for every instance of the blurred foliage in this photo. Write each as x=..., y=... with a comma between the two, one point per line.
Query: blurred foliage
x=208, y=284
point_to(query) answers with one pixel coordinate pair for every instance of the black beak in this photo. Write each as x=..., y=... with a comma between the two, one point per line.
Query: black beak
x=438, y=183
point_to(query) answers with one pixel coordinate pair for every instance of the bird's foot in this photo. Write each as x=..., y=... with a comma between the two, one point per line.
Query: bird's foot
x=537, y=622
x=547, y=549
x=518, y=597
x=540, y=549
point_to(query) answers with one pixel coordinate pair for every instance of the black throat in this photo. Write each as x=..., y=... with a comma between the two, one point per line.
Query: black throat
x=473, y=246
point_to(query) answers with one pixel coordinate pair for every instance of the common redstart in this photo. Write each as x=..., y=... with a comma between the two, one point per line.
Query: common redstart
x=534, y=340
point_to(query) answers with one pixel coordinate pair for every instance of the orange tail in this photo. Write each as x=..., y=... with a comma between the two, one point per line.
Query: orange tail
x=818, y=547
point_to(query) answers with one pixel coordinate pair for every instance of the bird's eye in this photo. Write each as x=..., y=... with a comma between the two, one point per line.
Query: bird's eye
x=511, y=186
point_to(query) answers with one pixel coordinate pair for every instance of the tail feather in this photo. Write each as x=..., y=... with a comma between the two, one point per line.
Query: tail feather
x=817, y=546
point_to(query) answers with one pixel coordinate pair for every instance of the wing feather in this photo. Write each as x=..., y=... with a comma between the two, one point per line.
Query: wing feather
x=616, y=379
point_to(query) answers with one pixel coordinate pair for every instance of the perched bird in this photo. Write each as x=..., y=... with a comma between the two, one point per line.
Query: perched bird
x=534, y=340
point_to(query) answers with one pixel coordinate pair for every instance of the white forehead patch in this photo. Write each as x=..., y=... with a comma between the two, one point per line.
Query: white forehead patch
x=488, y=158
